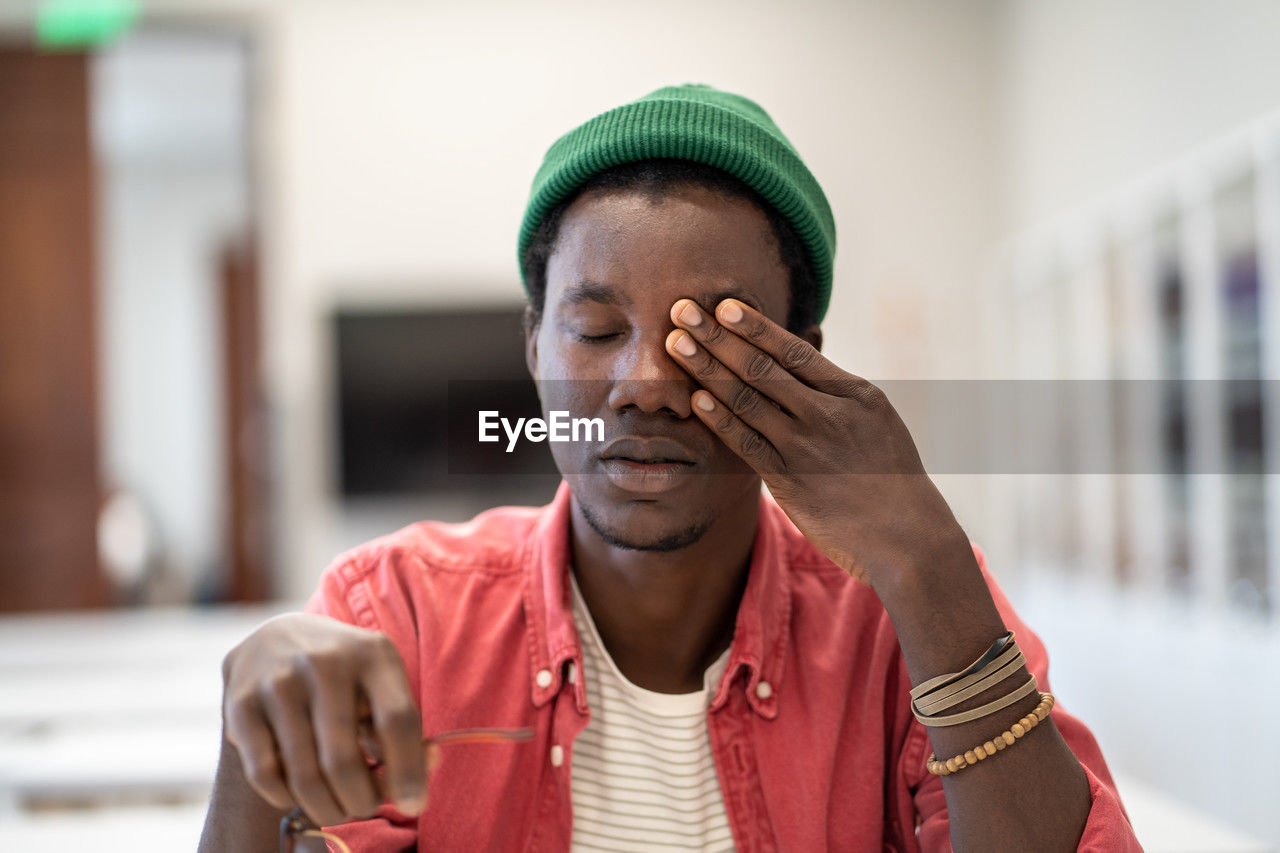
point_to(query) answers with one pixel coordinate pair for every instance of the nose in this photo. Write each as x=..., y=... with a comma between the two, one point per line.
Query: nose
x=650, y=380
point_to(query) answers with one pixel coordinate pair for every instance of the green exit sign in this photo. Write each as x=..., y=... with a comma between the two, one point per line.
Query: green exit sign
x=73, y=24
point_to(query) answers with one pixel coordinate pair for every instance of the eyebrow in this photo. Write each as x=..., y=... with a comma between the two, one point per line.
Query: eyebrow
x=710, y=301
x=587, y=290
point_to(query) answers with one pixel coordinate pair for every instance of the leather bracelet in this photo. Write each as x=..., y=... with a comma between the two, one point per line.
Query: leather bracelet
x=952, y=695
x=987, y=657
x=951, y=688
x=1027, y=688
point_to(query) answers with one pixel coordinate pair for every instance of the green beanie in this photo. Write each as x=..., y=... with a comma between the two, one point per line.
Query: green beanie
x=705, y=125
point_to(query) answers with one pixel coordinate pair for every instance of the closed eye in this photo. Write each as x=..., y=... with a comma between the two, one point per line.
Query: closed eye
x=594, y=339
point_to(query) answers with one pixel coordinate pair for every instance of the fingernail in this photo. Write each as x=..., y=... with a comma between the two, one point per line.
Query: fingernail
x=705, y=403
x=730, y=312
x=690, y=315
x=685, y=346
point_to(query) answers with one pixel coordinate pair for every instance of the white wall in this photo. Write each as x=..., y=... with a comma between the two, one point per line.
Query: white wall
x=1094, y=92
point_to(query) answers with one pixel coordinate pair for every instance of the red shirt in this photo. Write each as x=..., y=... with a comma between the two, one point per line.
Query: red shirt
x=813, y=737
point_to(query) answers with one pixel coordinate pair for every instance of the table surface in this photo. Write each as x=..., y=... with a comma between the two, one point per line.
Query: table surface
x=124, y=707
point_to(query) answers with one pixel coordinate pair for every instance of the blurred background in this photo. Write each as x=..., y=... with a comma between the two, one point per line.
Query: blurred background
x=245, y=245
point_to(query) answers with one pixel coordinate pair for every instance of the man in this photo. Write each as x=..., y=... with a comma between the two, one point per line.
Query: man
x=698, y=665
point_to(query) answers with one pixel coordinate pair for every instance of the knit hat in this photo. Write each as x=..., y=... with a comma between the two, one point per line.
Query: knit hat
x=705, y=125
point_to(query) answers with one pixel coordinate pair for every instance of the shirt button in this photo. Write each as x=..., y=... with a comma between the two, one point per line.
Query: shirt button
x=543, y=678
x=763, y=689
x=557, y=755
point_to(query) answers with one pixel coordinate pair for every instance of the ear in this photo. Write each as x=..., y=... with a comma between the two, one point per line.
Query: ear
x=531, y=324
x=813, y=335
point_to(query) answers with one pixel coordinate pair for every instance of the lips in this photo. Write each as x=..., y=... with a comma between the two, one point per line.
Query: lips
x=646, y=465
x=649, y=451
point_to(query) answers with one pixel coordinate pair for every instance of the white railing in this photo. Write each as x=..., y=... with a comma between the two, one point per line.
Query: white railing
x=1173, y=277
x=1158, y=592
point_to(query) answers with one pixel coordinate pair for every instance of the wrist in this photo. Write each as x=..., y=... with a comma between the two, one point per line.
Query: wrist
x=929, y=576
x=942, y=611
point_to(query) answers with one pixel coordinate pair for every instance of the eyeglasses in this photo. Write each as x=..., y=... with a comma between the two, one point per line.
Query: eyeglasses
x=297, y=825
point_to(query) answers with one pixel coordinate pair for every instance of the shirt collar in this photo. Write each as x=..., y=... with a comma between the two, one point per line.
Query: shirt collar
x=761, y=630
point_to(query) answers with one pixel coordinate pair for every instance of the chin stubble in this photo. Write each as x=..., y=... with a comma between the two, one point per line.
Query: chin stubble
x=672, y=541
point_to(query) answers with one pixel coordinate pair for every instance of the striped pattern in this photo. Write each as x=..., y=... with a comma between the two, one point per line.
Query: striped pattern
x=642, y=773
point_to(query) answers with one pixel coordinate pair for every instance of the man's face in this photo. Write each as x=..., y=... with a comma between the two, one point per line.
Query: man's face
x=659, y=478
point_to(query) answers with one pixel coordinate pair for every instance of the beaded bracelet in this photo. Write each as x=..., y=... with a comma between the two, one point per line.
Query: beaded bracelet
x=996, y=744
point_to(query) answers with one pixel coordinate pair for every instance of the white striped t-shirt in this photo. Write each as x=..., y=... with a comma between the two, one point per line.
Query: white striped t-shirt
x=642, y=773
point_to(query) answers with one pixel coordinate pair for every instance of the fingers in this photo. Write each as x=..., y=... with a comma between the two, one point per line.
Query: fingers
x=747, y=403
x=397, y=727
x=746, y=363
x=293, y=698
x=248, y=732
x=286, y=707
x=741, y=439
x=341, y=760
x=795, y=356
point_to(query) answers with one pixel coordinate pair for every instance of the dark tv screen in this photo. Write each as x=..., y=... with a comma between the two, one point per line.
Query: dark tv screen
x=410, y=385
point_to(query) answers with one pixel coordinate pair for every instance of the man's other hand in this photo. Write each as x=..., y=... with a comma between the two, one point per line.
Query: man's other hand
x=297, y=693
